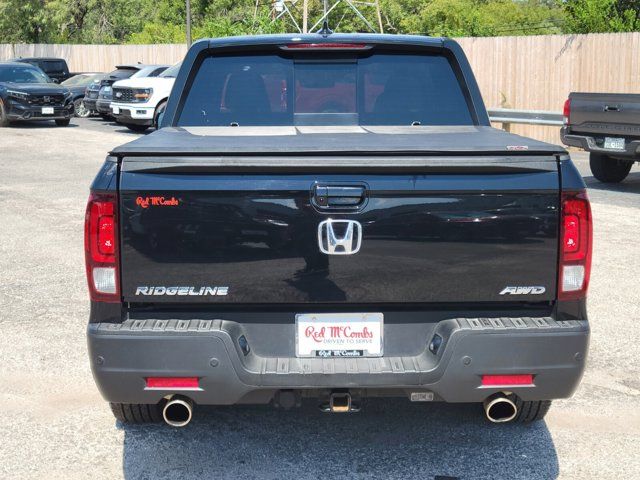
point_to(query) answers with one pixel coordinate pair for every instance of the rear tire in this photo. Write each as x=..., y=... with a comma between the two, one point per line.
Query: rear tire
x=136, y=128
x=63, y=122
x=136, y=413
x=531, y=411
x=4, y=121
x=607, y=169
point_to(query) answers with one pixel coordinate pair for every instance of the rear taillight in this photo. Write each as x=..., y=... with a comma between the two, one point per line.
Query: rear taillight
x=326, y=46
x=101, y=247
x=576, y=238
x=566, y=111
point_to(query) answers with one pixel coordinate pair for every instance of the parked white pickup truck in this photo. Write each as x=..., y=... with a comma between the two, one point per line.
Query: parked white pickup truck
x=138, y=102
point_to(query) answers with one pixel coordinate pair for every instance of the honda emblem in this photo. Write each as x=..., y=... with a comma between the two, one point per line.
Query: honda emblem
x=339, y=237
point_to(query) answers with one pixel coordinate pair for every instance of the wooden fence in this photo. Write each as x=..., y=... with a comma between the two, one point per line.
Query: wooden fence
x=534, y=72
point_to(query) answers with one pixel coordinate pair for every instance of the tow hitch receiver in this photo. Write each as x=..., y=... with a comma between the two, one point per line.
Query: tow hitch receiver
x=340, y=402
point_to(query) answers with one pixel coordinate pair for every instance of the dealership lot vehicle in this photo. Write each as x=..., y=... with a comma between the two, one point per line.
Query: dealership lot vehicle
x=55, y=68
x=57, y=415
x=351, y=186
x=78, y=86
x=105, y=95
x=608, y=126
x=27, y=94
x=139, y=102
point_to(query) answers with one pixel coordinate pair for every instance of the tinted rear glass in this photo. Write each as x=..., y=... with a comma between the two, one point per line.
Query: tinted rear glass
x=382, y=89
x=52, y=66
x=122, y=73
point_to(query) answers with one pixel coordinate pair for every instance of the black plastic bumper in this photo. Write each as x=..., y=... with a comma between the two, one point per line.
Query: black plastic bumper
x=589, y=143
x=90, y=104
x=31, y=112
x=125, y=117
x=123, y=355
x=103, y=107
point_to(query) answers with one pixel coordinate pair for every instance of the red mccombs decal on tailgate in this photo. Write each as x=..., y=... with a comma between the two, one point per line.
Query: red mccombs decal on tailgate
x=146, y=202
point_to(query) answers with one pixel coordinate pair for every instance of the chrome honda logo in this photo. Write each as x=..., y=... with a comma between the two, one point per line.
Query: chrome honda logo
x=339, y=237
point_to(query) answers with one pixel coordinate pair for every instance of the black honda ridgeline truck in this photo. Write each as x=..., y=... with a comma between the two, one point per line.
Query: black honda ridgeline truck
x=333, y=217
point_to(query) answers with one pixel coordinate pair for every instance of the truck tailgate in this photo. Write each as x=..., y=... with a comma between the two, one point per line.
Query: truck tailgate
x=605, y=113
x=196, y=235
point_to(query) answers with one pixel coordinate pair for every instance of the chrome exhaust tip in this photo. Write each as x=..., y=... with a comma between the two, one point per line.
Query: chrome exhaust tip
x=178, y=411
x=500, y=409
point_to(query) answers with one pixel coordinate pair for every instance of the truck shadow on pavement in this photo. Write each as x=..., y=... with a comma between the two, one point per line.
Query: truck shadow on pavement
x=631, y=184
x=391, y=438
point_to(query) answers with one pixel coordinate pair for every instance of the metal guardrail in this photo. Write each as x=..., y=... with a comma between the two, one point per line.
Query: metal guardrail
x=507, y=116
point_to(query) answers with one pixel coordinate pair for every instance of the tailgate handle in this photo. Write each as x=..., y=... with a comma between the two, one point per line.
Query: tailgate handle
x=612, y=108
x=331, y=196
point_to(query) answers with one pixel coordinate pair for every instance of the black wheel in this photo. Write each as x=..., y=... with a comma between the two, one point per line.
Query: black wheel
x=531, y=411
x=136, y=128
x=63, y=122
x=159, y=110
x=607, y=169
x=79, y=109
x=136, y=413
x=4, y=121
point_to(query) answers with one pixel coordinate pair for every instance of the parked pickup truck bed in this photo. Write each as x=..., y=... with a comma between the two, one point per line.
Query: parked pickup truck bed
x=334, y=218
x=608, y=126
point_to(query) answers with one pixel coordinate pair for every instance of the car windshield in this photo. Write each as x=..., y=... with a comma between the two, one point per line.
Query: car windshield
x=378, y=89
x=81, y=80
x=171, y=72
x=19, y=74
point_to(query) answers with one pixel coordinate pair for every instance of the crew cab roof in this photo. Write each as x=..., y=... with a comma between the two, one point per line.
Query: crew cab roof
x=284, y=39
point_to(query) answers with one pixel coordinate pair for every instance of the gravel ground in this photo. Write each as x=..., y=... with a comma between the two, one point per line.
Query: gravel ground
x=57, y=426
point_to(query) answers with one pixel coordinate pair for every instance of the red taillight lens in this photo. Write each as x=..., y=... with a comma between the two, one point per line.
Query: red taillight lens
x=173, y=383
x=506, y=380
x=327, y=46
x=566, y=111
x=101, y=253
x=575, y=252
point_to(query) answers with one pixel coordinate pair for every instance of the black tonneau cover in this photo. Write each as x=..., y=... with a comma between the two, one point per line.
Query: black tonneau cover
x=321, y=140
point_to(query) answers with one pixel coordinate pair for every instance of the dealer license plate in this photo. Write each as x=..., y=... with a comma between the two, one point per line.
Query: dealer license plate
x=116, y=110
x=614, y=143
x=47, y=110
x=339, y=334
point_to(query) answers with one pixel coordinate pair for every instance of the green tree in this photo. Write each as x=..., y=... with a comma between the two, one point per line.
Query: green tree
x=598, y=16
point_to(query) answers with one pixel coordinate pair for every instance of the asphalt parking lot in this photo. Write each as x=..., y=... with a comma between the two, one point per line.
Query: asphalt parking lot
x=55, y=424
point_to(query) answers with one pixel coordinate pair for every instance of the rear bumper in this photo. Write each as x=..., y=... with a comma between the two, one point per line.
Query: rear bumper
x=90, y=104
x=590, y=144
x=103, y=106
x=123, y=355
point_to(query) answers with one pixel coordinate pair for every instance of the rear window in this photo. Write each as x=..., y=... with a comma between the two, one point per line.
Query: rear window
x=382, y=89
x=122, y=73
x=53, y=66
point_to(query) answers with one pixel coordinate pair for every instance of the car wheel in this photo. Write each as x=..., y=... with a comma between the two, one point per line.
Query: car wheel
x=63, y=122
x=531, y=411
x=136, y=413
x=4, y=121
x=137, y=128
x=159, y=110
x=79, y=109
x=607, y=169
